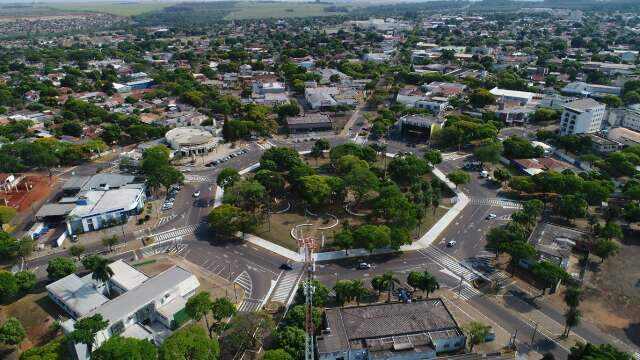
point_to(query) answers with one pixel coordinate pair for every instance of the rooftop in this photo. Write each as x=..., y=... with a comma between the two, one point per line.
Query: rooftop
x=103, y=201
x=582, y=105
x=311, y=118
x=79, y=295
x=147, y=292
x=380, y=321
x=126, y=276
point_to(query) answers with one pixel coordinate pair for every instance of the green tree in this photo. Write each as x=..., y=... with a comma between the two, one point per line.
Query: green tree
x=481, y=97
x=85, y=330
x=573, y=296
x=198, y=307
x=227, y=220
x=386, y=281
x=423, y=281
x=8, y=285
x=7, y=213
x=604, y=248
x=227, y=177
x=110, y=241
x=519, y=250
x=53, y=350
x=272, y=181
x=361, y=180
x=459, y=177
x=372, y=237
x=344, y=240
x=588, y=351
x=60, y=267
x=292, y=340
x=502, y=175
x=611, y=231
x=221, y=308
x=433, y=156
x=11, y=332
x=120, y=348
x=76, y=251
x=489, y=150
x=277, y=354
x=571, y=319
x=25, y=280
x=549, y=274
x=477, y=333
x=249, y=195
x=572, y=206
x=102, y=272
x=320, y=294
x=405, y=168
x=190, y=343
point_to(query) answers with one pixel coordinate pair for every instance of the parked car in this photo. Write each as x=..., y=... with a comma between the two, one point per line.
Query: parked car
x=364, y=266
x=451, y=243
x=286, y=267
x=491, y=216
x=196, y=194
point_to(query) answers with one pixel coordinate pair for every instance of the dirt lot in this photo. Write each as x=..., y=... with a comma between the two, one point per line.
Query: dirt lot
x=39, y=189
x=612, y=298
x=37, y=314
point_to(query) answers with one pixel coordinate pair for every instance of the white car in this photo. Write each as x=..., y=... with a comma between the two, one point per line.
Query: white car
x=491, y=216
x=451, y=243
x=196, y=194
x=364, y=266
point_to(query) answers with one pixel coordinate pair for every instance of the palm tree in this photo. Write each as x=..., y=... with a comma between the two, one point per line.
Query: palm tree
x=102, y=272
x=429, y=283
x=358, y=290
x=571, y=319
x=388, y=283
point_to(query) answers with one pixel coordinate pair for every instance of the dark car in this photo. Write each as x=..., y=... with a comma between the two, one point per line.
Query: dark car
x=286, y=267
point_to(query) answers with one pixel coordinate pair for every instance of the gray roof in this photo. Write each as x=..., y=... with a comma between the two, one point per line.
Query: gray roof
x=48, y=210
x=75, y=183
x=312, y=118
x=582, y=104
x=384, y=320
x=142, y=295
x=112, y=180
x=554, y=240
x=77, y=294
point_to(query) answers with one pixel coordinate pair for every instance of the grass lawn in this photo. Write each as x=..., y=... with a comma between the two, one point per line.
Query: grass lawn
x=254, y=10
x=37, y=313
x=115, y=8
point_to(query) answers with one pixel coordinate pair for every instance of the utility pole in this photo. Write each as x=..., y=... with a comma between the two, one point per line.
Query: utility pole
x=533, y=336
x=308, y=292
x=460, y=286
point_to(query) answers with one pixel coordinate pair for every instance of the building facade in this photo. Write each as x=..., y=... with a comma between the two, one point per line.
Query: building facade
x=582, y=116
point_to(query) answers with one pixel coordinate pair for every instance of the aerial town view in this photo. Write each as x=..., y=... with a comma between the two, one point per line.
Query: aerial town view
x=320, y=180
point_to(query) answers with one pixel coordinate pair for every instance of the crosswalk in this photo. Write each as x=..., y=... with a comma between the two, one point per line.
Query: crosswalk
x=246, y=283
x=285, y=286
x=177, y=233
x=196, y=178
x=505, y=203
x=482, y=263
x=449, y=262
x=250, y=305
x=454, y=156
x=170, y=247
x=165, y=219
x=466, y=293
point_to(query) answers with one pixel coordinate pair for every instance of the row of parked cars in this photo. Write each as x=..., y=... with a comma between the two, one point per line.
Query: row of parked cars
x=215, y=163
x=171, y=197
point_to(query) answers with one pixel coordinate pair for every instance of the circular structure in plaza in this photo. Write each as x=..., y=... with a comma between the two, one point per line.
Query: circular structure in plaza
x=191, y=140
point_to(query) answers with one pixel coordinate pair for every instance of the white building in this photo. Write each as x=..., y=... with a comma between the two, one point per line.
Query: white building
x=191, y=140
x=582, y=116
x=522, y=97
x=631, y=118
x=269, y=88
x=144, y=308
x=321, y=97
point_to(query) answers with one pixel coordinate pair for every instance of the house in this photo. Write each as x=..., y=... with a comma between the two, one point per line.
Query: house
x=143, y=308
x=376, y=57
x=446, y=88
x=269, y=88
x=521, y=97
x=554, y=243
x=624, y=136
x=435, y=104
x=604, y=145
x=535, y=166
x=321, y=97
x=582, y=116
x=417, y=330
x=309, y=122
x=327, y=74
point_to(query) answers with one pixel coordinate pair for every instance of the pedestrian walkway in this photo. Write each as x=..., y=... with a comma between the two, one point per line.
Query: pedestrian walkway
x=196, y=178
x=505, y=203
x=468, y=292
x=183, y=232
x=285, y=286
x=250, y=305
x=449, y=263
x=169, y=247
x=454, y=156
x=165, y=219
